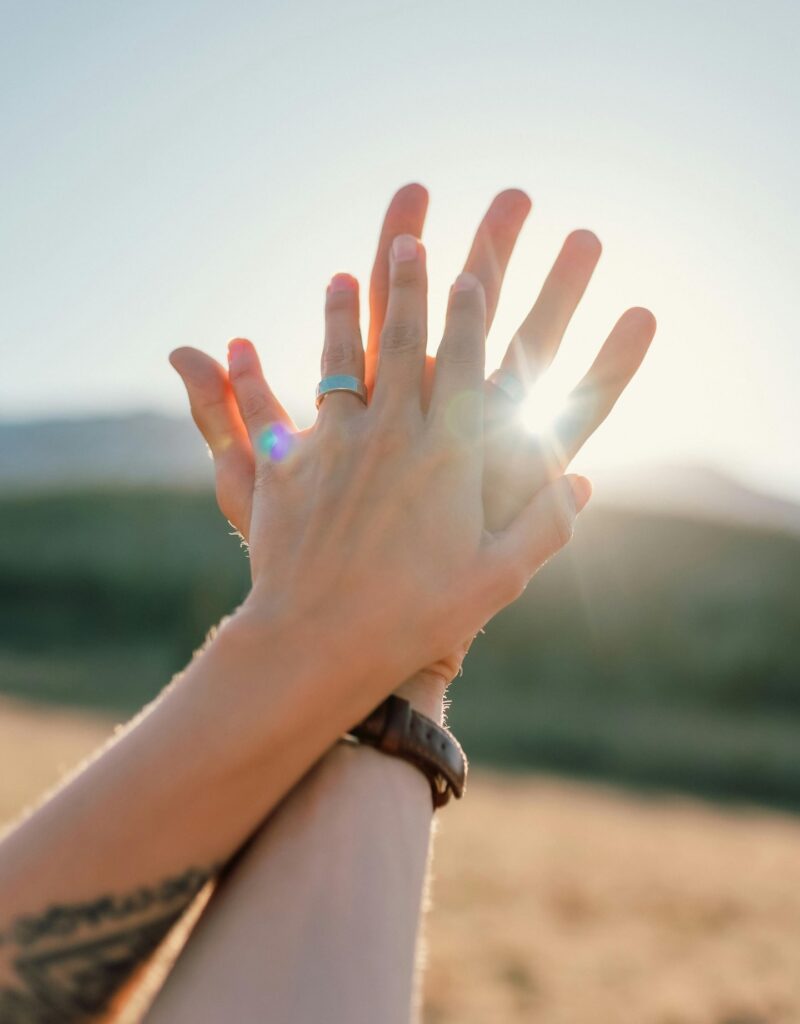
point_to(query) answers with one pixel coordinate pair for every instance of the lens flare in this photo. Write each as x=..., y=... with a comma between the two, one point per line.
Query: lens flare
x=463, y=411
x=542, y=409
x=276, y=442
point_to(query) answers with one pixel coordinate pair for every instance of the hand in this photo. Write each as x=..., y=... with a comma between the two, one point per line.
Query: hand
x=516, y=465
x=370, y=523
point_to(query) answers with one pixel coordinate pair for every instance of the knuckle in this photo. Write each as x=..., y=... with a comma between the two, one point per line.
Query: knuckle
x=401, y=336
x=269, y=472
x=461, y=348
x=389, y=440
x=338, y=354
x=253, y=405
x=406, y=274
x=238, y=373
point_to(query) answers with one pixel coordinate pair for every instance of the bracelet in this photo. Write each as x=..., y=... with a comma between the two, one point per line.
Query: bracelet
x=396, y=729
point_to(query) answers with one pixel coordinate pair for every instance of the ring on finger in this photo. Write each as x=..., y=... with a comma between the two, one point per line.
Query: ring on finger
x=340, y=382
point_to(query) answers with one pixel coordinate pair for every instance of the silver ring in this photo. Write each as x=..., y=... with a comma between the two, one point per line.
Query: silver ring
x=340, y=382
x=511, y=386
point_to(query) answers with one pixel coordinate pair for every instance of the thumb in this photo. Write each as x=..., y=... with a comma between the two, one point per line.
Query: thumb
x=543, y=527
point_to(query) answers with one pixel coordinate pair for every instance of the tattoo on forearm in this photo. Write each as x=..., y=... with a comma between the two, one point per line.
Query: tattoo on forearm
x=72, y=958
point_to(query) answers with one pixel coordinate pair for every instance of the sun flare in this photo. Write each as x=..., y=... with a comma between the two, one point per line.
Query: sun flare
x=542, y=408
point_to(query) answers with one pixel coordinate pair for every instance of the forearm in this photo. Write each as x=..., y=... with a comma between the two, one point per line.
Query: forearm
x=94, y=878
x=318, y=919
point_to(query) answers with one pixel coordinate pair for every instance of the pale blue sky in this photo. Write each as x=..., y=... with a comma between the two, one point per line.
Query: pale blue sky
x=178, y=173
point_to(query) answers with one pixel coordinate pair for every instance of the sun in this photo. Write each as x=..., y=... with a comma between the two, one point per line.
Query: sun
x=542, y=408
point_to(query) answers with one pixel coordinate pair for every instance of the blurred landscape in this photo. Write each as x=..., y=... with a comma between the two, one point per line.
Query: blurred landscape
x=660, y=651
x=629, y=848
x=561, y=902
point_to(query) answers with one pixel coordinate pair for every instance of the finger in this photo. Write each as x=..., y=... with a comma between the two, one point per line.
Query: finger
x=405, y=216
x=519, y=465
x=516, y=468
x=342, y=351
x=402, y=348
x=211, y=399
x=541, y=529
x=597, y=394
x=216, y=414
x=258, y=406
x=494, y=242
x=536, y=342
x=457, y=400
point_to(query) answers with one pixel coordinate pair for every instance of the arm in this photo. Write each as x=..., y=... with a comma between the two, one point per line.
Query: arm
x=347, y=850
x=370, y=557
x=91, y=882
x=318, y=918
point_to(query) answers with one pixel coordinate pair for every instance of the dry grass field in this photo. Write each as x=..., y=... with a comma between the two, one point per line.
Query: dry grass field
x=563, y=903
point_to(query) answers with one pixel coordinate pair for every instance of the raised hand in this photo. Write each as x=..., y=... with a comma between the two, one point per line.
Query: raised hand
x=371, y=522
x=517, y=465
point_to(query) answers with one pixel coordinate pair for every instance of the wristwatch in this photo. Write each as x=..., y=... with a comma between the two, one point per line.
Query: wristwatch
x=396, y=729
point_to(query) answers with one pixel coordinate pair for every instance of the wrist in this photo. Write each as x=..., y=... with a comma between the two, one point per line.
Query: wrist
x=309, y=664
x=347, y=640
x=425, y=693
x=278, y=685
x=342, y=650
x=401, y=732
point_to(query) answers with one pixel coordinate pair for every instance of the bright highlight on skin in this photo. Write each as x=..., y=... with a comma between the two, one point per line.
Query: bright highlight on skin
x=462, y=412
x=276, y=442
x=542, y=409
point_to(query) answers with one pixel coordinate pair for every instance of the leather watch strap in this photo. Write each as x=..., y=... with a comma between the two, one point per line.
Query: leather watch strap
x=396, y=729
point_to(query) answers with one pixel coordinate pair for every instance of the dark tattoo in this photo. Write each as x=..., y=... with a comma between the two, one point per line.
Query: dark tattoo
x=72, y=959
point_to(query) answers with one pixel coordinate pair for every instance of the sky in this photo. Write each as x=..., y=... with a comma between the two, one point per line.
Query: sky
x=181, y=173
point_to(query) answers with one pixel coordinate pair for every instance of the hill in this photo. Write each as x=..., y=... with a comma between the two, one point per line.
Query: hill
x=139, y=449
x=153, y=450
x=700, y=491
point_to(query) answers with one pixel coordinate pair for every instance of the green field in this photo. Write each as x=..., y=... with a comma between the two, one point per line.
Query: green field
x=658, y=651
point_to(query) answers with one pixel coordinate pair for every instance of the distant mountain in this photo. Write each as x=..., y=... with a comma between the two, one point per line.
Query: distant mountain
x=138, y=449
x=699, y=492
x=151, y=449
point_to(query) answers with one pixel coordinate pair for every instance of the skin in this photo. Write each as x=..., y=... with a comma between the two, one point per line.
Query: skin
x=344, y=855
x=368, y=484
x=370, y=556
x=253, y=955
x=516, y=466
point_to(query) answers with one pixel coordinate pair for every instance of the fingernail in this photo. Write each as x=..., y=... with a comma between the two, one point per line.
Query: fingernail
x=342, y=283
x=513, y=199
x=404, y=248
x=237, y=351
x=581, y=491
x=465, y=283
